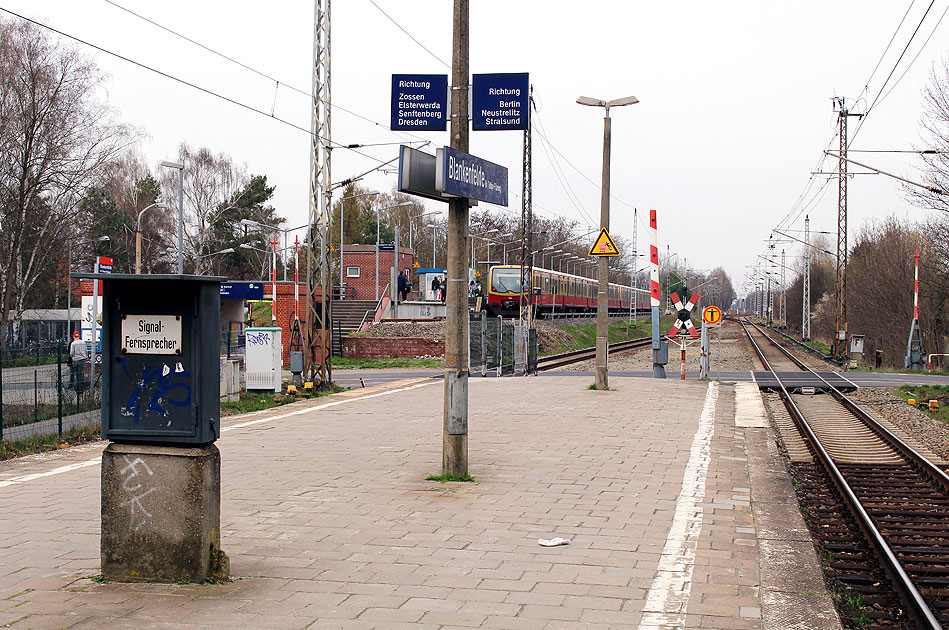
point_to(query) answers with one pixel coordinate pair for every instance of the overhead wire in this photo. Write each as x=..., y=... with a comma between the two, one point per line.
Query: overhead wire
x=410, y=36
x=571, y=195
x=187, y=83
x=277, y=82
x=876, y=99
x=918, y=53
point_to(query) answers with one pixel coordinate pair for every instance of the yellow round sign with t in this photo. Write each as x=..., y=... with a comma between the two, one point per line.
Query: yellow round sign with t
x=712, y=315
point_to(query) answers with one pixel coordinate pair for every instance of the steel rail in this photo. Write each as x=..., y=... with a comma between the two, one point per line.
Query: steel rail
x=917, y=606
x=575, y=356
x=904, y=449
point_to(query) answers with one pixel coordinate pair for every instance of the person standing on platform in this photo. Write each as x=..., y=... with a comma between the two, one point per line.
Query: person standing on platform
x=403, y=287
x=436, y=287
x=442, y=288
x=78, y=360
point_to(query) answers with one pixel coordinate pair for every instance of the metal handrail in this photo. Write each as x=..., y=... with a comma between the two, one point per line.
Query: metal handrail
x=376, y=310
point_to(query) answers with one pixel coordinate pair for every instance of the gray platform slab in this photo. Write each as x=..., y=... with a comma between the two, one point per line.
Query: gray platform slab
x=329, y=522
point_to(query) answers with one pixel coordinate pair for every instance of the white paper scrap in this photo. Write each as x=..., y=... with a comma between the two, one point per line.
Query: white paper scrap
x=553, y=542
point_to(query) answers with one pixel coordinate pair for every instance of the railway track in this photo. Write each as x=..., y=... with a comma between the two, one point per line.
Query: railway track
x=878, y=507
x=575, y=356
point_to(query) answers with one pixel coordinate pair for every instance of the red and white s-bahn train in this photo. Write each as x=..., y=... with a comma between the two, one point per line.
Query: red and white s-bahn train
x=556, y=292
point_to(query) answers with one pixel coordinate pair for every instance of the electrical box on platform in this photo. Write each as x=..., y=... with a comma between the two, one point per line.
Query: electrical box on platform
x=263, y=358
x=161, y=358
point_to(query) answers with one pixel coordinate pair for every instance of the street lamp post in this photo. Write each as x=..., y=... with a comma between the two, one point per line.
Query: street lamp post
x=602, y=296
x=229, y=250
x=378, y=232
x=138, y=234
x=181, y=210
x=411, y=221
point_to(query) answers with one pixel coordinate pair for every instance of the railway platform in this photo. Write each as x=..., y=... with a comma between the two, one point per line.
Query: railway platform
x=672, y=495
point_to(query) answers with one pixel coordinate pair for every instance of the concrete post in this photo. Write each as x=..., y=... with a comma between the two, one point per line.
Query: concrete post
x=603, y=289
x=161, y=514
x=455, y=412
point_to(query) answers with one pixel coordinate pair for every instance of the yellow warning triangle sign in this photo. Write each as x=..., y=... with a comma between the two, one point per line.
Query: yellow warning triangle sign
x=603, y=245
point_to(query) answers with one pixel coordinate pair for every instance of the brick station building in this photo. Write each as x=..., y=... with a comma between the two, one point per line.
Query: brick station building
x=360, y=269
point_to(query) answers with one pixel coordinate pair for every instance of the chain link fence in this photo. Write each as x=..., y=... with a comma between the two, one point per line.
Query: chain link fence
x=41, y=394
x=499, y=347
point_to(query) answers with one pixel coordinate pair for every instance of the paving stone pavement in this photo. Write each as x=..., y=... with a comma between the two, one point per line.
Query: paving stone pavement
x=330, y=524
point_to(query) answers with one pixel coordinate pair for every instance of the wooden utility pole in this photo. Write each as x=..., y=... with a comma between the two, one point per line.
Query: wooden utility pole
x=455, y=418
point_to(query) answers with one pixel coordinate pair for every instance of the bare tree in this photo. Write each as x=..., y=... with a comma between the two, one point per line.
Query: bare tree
x=210, y=183
x=935, y=136
x=55, y=134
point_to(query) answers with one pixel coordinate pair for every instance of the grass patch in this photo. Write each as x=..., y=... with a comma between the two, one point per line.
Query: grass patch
x=31, y=362
x=600, y=389
x=823, y=348
x=258, y=401
x=394, y=362
x=925, y=393
x=444, y=478
x=45, y=443
x=98, y=579
x=584, y=335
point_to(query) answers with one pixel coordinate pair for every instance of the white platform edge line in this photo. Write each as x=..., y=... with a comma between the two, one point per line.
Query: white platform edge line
x=13, y=481
x=668, y=596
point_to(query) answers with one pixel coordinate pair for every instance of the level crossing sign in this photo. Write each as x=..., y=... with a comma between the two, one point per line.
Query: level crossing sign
x=712, y=315
x=684, y=315
x=604, y=245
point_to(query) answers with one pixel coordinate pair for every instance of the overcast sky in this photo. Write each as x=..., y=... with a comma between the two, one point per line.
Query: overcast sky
x=735, y=99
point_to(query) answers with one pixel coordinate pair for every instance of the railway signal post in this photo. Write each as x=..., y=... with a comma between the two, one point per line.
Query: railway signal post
x=660, y=348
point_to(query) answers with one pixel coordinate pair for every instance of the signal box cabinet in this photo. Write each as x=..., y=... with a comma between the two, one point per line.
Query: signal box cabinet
x=263, y=358
x=161, y=359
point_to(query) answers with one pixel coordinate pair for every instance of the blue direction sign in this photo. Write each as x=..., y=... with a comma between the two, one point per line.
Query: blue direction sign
x=499, y=101
x=459, y=174
x=419, y=102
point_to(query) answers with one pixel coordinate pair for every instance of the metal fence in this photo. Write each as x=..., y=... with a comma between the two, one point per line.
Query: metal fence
x=45, y=396
x=499, y=347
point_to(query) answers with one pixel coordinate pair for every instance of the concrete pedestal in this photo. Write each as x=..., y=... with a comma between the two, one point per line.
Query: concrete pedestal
x=161, y=514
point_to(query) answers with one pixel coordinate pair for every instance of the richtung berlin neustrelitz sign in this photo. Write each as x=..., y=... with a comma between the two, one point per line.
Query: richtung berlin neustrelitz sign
x=151, y=334
x=419, y=102
x=500, y=102
x=459, y=174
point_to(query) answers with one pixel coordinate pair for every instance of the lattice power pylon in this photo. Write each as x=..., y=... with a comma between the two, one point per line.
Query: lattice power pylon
x=318, y=286
x=806, y=308
x=840, y=287
x=526, y=297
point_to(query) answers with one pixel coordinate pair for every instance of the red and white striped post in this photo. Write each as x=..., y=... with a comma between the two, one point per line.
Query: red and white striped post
x=653, y=261
x=296, y=277
x=916, y=288
x=273, y=277
x=658, y=369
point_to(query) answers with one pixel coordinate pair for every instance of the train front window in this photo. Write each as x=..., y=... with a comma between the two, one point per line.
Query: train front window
x=506, y=281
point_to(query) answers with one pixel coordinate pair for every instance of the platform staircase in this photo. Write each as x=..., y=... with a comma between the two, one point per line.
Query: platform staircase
x=347, y=315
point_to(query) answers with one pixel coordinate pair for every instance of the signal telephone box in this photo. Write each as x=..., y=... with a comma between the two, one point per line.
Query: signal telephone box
x=161, y=359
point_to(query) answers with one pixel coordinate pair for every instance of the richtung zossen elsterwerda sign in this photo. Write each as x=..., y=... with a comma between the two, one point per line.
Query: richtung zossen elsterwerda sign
x=151, y=334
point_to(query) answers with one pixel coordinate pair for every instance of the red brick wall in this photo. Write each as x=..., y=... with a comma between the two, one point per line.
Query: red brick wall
x=386, y=347
x=364, y=257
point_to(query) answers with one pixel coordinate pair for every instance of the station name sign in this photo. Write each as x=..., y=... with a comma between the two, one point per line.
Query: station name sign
x=459, y=174
x=419, y=102
x=151, y=334
x=500, y=102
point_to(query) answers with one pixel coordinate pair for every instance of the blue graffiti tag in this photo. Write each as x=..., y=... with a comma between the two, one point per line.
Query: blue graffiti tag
x=159, y=378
